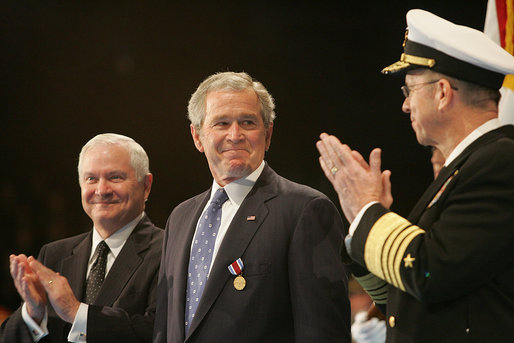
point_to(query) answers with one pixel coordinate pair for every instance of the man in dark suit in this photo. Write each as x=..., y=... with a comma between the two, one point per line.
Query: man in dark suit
x=445, y=274
x=267, y=267
x=112, y=269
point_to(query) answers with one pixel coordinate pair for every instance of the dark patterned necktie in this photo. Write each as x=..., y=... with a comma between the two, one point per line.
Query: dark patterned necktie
x=97, y=274
x=201, y=254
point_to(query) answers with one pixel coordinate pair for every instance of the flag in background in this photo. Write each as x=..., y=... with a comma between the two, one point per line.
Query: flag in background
x=499, y=26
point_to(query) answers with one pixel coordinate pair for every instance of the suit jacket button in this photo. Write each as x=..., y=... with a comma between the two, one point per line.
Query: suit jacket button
x=392, y=321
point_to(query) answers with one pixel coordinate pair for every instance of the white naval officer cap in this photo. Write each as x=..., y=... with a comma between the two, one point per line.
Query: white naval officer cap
x=454, y=50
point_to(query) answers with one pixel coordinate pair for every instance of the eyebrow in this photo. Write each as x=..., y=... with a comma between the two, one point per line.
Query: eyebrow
x=110, y=173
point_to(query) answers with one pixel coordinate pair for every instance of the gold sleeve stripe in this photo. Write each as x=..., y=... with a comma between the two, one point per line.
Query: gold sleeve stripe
x=370, y=281
x=377, y=236
x=386, y=243
x=389, y=242
x=401, y=251
x=375, y=287
x=395, y=254
x=381, y=230
x=379, y=300
x=379, y=293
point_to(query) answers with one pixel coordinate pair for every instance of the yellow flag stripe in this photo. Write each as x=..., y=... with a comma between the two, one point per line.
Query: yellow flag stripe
x=508, y=82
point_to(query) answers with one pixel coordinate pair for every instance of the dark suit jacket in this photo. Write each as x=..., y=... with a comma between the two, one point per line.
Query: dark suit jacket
x=460, y=287
x=125, y=308
x=296, y=284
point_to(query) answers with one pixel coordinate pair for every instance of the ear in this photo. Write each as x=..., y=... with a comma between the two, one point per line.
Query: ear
x=196, y=138
x=445, y=94
x=268, y=133
x=148, y=184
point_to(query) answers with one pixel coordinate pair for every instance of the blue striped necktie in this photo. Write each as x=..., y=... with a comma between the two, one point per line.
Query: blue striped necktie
x=201, y=254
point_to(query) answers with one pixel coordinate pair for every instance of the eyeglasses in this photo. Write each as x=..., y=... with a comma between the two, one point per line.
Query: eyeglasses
x=407, y=90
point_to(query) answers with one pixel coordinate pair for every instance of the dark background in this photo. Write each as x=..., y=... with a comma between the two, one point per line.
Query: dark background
x=70, y=70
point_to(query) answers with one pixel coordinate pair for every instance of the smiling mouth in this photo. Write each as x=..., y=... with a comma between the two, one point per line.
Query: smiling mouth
x=234, y=150
x=104, y=202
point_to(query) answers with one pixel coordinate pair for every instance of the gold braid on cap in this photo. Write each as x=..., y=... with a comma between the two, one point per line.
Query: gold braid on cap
x=406, y=61
x=422, y=61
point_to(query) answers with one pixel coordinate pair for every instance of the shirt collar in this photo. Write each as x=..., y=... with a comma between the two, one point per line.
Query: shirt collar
x=116, y=241
x=473, y=136
x=238, y=190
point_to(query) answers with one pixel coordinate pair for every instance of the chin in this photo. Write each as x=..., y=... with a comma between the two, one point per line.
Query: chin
x=105, y=214
x=239, y=170
x=105, y=217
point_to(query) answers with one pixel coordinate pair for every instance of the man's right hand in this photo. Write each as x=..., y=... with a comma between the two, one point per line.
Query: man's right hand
x=28, y=286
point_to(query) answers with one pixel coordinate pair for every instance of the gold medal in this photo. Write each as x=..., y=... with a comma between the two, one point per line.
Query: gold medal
x=239, y=283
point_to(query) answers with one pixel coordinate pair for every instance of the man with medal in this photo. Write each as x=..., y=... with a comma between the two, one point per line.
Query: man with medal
x=255, y=258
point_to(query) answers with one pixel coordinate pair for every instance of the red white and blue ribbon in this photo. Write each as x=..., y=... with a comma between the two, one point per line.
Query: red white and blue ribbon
x=236, y=267
x=441, y=191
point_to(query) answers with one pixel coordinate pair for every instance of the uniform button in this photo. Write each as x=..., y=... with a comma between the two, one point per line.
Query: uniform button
x=392, y=321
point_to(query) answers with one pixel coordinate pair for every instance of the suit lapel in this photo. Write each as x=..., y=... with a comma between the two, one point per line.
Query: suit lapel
x=448, y=172
x=125, y=264
x=236, y=240
x=430, y=193
x=74, y=267
x=184, y=238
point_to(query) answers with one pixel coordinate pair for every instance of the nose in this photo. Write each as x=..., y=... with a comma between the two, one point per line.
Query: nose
x=406, y=105
x=235, y=133
x=103, y=188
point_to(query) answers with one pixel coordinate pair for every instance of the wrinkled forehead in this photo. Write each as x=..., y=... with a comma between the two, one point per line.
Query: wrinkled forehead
x=105, y=155
x=230, y=102
x=417, y=74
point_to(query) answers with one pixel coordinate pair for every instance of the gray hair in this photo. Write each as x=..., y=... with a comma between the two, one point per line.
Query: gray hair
x=138, y=157
x=234, y=82
x=471, y=94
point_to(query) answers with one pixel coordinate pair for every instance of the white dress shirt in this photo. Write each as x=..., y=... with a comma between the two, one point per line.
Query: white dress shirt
x=237, y=192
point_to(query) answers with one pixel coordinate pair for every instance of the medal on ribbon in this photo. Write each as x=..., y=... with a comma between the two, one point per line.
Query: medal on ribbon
x=236, y=269
x=441, y=191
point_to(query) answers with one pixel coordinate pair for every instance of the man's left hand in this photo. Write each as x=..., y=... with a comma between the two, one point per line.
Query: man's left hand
x=58, y=290
x=355, y=182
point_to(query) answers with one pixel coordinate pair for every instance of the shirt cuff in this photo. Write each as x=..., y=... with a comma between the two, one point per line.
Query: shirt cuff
x=78, y=332
x=37, y=331
x=358, y=217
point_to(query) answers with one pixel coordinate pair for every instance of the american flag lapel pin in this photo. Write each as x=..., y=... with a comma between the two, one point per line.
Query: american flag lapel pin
x=250, y=218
